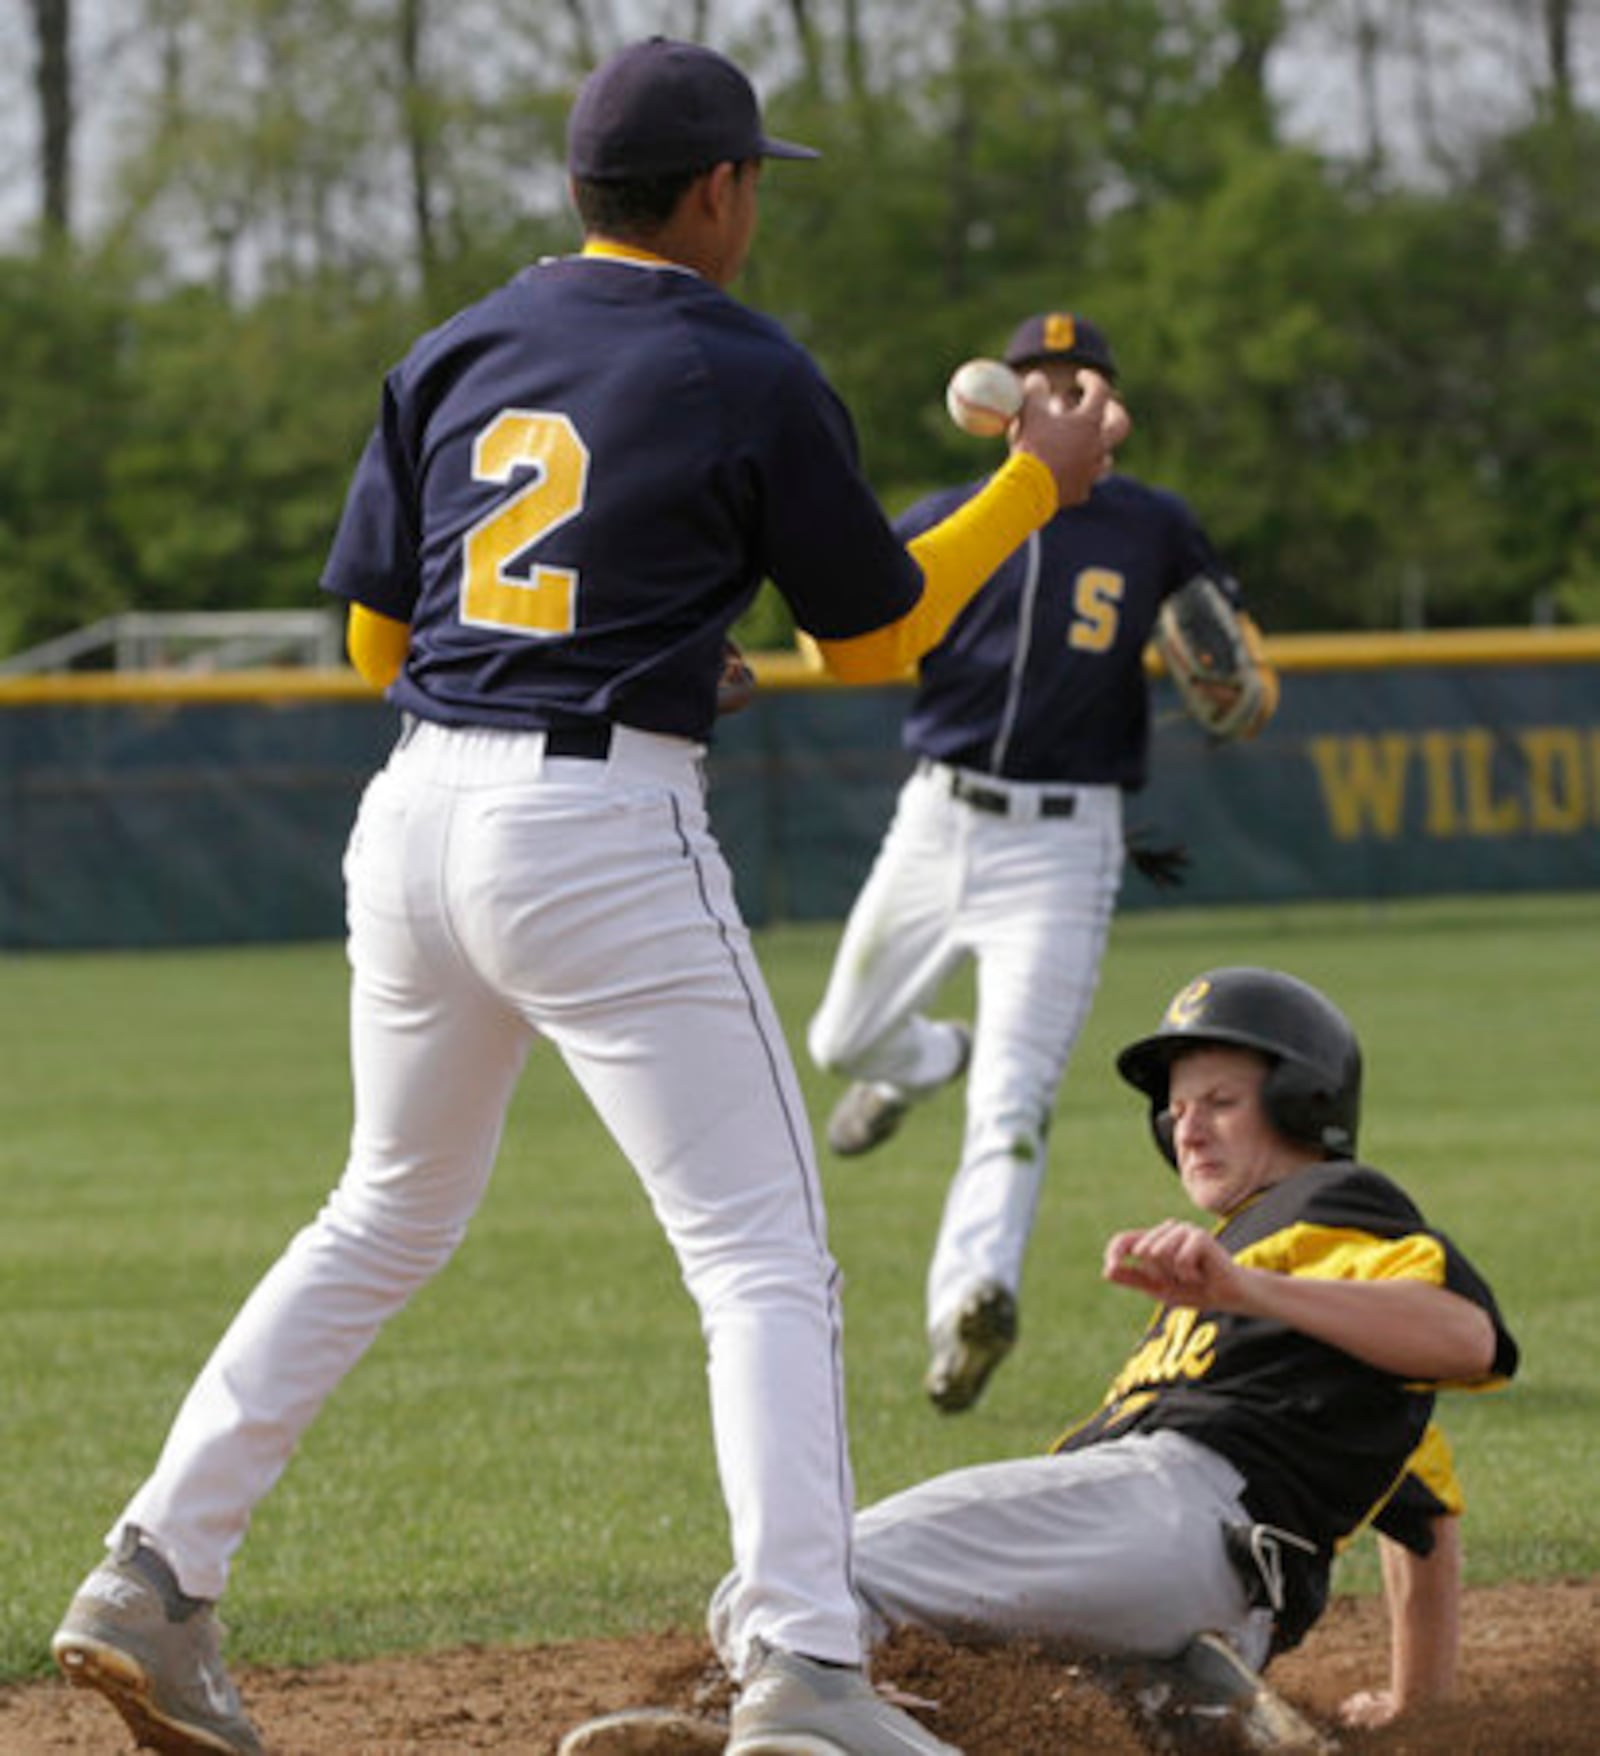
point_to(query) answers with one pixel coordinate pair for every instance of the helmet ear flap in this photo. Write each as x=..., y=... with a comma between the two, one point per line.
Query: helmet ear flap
x=1163, y=1128
x=1304, y=1107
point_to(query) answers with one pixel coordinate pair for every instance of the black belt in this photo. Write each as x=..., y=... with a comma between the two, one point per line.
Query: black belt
x=982, y=798
x=591, y=743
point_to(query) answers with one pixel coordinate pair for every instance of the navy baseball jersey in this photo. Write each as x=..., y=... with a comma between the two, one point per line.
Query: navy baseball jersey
x=1321, y=1438
x=1041, y=678
x=578, y=484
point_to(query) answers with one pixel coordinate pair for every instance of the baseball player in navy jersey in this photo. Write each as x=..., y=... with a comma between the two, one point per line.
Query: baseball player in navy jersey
x=1280, y=1397
x=1030, y=722
x=573, y=489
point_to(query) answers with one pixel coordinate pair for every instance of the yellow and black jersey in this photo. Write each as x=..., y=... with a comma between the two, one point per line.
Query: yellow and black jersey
x=1428, y=1491
x=1322, y=1439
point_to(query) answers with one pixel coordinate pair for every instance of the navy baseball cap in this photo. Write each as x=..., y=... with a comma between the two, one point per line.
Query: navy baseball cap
x=1061, y=335
x=660, y=107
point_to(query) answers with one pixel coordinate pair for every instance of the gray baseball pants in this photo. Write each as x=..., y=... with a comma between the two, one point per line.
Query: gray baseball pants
x=1116, y=1549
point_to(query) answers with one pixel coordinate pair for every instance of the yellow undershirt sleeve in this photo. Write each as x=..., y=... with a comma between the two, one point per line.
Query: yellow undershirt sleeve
x=377, y=645
x=957, y=557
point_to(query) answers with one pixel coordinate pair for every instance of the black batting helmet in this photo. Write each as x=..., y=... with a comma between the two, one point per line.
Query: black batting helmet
x=1312, y=1092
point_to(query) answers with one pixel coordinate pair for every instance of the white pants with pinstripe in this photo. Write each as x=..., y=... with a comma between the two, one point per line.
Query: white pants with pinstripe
x=497, y=896
x=1029, y=899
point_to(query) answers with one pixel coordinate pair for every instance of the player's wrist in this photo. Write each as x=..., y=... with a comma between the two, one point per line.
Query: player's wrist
x=1031, y=479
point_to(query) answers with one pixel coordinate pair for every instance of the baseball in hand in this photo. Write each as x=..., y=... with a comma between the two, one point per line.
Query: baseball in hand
x=983, y=397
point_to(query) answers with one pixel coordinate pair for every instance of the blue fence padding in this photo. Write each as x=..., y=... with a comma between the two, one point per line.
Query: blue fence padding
x=127, y=824
x=186, y=822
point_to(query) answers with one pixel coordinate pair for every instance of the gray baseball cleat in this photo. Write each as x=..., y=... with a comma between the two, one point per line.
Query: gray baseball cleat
x=155, y=1655
x=646, y=1731
x=968, y=1345
x=865, y=1117
x=869, y=1113
x=1206, y=1699
x=793, y=1706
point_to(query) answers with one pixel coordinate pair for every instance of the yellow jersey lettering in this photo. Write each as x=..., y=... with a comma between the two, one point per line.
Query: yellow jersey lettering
x=1097, y=609
x=1199, y=1354
x=1179, y=1326
x=542, y=601
x=1182, y=1347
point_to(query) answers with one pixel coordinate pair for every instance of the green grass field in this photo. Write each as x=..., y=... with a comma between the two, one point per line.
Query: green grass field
x=525, y=1454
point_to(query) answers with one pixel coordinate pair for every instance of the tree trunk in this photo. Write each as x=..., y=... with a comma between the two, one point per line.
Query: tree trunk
x=1558, y=52
x=1257, y=27
x=961, y=194
x=588, y=38
x=412, y=21
x=855, y=57
x=805, y=36
x=1425, y=105
x=52, y=25
x=1369, y=49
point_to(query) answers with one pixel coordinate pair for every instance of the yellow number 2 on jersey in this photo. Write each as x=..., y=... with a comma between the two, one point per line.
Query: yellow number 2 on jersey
x=534, y=600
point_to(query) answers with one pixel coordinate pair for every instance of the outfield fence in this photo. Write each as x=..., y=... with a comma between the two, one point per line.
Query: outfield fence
x=150, y=808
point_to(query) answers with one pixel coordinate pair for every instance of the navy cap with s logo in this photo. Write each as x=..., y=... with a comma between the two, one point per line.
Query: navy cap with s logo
x=1061, y=335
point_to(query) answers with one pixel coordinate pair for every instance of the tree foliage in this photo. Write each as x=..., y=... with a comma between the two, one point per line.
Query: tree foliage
x=1377, y=388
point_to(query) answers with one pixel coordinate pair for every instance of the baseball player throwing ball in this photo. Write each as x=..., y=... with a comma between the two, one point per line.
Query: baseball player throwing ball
x=1283, y=1385
x=1030, y=722
x=573, y=489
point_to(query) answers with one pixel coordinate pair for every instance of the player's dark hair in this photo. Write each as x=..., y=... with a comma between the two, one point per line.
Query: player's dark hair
x=624, y=206
x=634, y=207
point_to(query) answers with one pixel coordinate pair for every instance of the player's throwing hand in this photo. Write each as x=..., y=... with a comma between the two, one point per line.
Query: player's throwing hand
x=1072, y=440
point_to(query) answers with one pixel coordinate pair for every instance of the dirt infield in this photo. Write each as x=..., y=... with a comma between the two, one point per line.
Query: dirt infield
x=1531, y=1687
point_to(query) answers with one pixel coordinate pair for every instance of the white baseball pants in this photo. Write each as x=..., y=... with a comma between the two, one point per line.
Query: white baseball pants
x=495, y=897
x=1031, y=899
x=1116, y=1550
